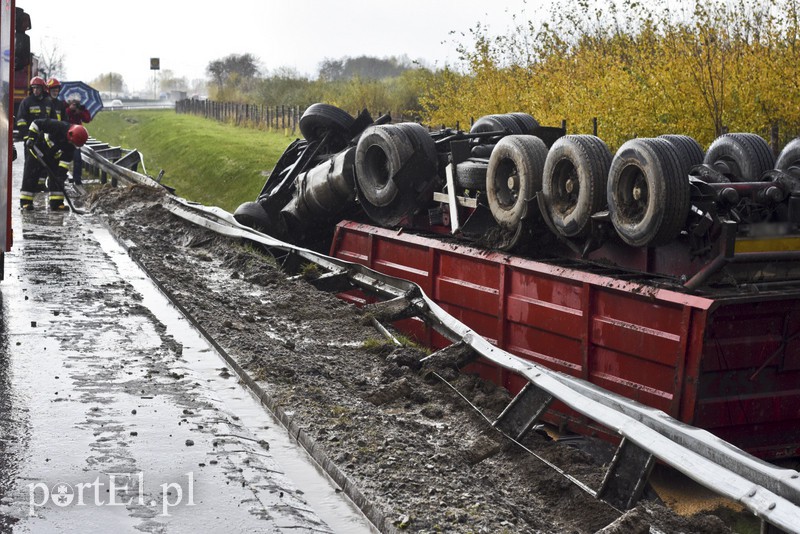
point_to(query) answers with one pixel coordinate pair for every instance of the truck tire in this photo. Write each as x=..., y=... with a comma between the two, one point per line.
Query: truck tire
x=648, y=192
x=574, y=183
x=496, y=123
x=396, y=172
x=742, y=157
x=253, y=215
x=789, y=158
x=481, y=151
x=525, y=122
x=421, y=139
x=513, y=178
x=381, y=153
x=691, y=153
x=319, y=119
x=471, y=175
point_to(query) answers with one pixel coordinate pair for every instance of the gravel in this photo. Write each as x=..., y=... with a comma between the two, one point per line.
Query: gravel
x=423, y=458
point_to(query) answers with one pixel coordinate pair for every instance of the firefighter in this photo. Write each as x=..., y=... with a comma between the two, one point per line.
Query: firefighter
x=36, y=105
x=57, y=142
x=59, y=111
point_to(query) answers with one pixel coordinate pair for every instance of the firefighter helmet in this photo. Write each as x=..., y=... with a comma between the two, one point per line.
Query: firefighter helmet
x=53, y=82
x=37, y=80
x=77, y=135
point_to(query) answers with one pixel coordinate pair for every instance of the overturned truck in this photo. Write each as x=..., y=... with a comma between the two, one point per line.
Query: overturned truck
x=662, y=272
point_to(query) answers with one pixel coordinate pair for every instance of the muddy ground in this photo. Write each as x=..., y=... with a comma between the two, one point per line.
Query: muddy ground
x=413, y=446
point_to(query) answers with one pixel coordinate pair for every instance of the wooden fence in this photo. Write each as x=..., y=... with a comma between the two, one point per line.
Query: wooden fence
x=251, y=115
x=258, y=115
x=286, y=118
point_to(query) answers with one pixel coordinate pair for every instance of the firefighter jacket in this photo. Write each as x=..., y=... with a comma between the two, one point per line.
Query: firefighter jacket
x=30, y=109
x=50, y=136
x=59, y=111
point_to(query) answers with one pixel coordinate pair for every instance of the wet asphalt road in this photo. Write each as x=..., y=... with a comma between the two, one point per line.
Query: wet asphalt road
x=115, y=419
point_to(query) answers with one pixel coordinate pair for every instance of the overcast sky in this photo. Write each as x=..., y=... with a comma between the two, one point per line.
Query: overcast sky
x=97, y=37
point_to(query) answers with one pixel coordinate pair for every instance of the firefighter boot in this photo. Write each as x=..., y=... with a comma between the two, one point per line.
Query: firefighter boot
x=58, y=205
x=26, y=204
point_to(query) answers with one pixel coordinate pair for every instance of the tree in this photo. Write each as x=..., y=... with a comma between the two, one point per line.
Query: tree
x=363, y=67
x=235, y=70
x=331, y=69
x=112, y=82
x=51, y=61
x=170, y=82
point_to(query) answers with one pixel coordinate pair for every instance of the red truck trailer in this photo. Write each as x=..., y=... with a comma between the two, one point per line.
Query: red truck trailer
x=726, y=361
x=662, y=272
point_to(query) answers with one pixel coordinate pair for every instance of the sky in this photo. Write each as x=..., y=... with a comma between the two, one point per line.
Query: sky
x=98, y=37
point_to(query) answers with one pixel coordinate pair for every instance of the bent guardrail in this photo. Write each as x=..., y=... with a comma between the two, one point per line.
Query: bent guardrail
x=646, y=434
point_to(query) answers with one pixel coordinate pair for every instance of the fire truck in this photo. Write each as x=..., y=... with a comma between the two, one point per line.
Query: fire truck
x=662, y=272
x=26, y=65
x=19, y=65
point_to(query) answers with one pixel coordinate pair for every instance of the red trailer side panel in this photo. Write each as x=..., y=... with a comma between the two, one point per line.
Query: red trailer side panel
x=731, y=365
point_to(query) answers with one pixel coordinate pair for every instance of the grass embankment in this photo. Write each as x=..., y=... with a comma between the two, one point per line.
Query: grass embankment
x=205, y=161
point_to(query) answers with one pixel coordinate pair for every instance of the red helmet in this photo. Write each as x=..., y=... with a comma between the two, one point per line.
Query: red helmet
x=52, y=82
x=77, y=135
x=36, y=80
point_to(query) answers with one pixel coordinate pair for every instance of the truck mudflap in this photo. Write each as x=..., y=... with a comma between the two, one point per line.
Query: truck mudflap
x=726, y=361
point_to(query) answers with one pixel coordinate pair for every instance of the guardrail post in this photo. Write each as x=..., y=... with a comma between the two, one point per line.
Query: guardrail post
x=627, y=475
x=523, y=411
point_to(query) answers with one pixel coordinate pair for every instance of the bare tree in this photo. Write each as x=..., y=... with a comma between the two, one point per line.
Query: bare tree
x=51, y=61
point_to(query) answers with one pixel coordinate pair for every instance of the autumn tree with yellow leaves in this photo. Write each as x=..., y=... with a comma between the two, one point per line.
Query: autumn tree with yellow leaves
x=695, y=69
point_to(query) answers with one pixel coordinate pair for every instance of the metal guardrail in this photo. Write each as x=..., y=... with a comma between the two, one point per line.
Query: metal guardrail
x=647, y=434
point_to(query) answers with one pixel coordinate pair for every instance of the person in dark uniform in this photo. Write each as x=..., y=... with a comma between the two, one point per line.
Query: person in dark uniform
x=59, y=111
x=37, y=105
x=57, y=142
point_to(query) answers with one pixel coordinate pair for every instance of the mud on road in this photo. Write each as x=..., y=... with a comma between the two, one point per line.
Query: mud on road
x=419, y=453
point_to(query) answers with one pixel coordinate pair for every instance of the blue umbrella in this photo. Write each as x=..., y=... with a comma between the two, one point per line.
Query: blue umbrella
x=88, y=95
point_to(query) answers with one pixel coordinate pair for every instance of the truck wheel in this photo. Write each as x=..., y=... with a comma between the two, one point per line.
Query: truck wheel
x=513, y=178
x=648, y=192
x=396, y=172
x=691, y=153
x=525, y=122
x=423, y=169
x=742, y=157
x=789, y=158
x=318, y=119
x=253, y=215
x=381, y=153
x=496, y=123
x=421, y=139
x=471, y=175
x=574, y=182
